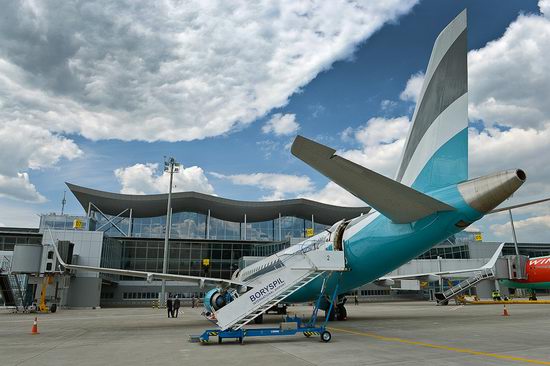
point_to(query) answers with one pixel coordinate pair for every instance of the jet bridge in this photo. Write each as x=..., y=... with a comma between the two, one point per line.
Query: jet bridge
x=508, y=267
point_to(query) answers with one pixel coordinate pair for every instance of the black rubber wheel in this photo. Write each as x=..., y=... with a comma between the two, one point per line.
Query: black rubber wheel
x=326, y=336
x=259, y=319
x=53, y=308
x=240, y=340
x=220, y=339
x=342, y=313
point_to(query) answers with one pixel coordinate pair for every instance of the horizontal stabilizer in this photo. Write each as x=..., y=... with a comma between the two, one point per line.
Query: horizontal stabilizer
x=400, y=203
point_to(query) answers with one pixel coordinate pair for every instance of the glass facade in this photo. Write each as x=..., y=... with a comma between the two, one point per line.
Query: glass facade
x=9, y=238
x=447, y=251
x=185, y=256
x=61, y=222
x=531, y=249
x=192, y=225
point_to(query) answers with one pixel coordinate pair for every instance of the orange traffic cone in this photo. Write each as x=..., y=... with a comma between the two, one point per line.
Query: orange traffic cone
x=505, y=311
x=35, y=326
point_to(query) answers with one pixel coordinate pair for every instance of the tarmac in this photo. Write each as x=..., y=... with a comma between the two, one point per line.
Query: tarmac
x=405, y=333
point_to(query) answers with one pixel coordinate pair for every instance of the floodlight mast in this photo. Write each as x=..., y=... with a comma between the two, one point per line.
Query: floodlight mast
x=171, y=167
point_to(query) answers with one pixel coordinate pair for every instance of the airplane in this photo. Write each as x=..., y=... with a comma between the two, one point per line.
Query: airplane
x=537, y=271
x=430, y=198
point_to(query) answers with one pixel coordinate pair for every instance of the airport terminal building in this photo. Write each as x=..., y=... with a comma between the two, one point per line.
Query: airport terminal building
x=209, y=236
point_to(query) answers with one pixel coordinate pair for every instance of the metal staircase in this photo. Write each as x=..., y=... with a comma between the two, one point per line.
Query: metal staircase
x=265, y=291
x=485, y=274
x=12, y=286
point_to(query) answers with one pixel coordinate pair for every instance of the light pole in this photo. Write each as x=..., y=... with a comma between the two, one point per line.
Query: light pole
x=513, y=232
x=171, y=167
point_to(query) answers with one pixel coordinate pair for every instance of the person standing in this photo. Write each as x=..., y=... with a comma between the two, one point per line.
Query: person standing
x=356, y=300
x=176, y=306
x=169, y=306
x=193, y=301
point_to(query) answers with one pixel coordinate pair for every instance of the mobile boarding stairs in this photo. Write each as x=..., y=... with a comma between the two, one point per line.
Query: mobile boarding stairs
x=293, y=271
x=507, y=267
x=13, y=287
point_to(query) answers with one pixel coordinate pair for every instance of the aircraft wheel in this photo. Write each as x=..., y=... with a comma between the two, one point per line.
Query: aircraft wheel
x=331, y=315
x=342, y=313
x=326, y=336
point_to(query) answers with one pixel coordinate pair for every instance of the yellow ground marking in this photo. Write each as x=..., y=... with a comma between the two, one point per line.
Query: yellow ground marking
x=437, y=346
x=509, y=302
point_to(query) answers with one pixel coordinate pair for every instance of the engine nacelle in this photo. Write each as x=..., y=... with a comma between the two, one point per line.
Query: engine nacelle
x=216, y=299
x=385, y=283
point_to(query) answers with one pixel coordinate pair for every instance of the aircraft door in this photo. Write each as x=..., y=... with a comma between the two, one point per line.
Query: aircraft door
x=337, y=242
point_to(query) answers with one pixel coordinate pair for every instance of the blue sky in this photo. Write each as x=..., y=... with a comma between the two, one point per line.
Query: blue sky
x=112, y=102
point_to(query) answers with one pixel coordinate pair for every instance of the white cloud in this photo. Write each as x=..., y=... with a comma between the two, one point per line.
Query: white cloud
x=534, y=228
x=333, y=194
x=285, y=186
x=15, y=214
x=20, y=188
x=25, y=147
x=381, y=141
x=170, y=70
x=31, y=147
x=281, y=125
x=525, y=148
x=413, y=87
x=145, y=179
x=382, y=130
x=280, y=186
x=509, y=77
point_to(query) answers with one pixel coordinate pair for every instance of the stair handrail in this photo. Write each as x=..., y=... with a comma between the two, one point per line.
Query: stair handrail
x=5, y=266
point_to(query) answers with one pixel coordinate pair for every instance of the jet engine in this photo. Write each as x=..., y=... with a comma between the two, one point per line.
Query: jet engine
x=217, y=298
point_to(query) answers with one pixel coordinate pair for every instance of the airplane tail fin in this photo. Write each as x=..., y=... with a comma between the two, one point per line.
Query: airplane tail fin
x=436, y=151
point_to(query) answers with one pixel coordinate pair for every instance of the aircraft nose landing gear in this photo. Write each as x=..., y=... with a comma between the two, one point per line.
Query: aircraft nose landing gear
x=338, y=311
x=341, y=312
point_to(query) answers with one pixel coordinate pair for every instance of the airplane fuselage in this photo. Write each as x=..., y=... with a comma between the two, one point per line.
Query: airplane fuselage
x=374, y=245
x=538, y=275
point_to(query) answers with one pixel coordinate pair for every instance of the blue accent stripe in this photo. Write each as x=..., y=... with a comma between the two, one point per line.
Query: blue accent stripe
x=447, y=166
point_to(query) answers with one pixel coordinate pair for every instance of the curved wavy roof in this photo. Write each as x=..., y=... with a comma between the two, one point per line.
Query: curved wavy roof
x=222, y=208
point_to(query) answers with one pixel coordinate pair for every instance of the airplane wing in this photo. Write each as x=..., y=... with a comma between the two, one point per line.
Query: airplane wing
x=150, y=276
x=433, y=276
x=397, y=201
